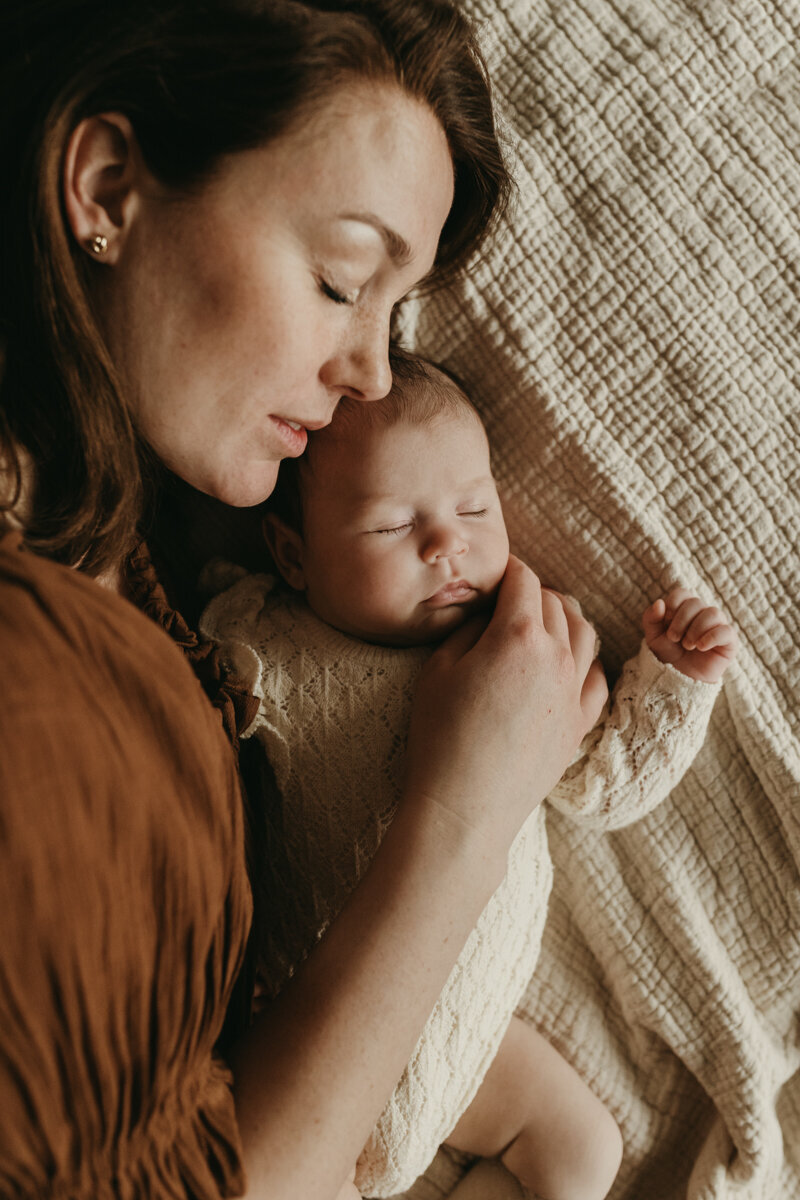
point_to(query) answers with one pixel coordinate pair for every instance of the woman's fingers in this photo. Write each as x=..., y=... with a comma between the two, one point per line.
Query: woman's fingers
x=520, y=593
x=554, y=614
x=500, y=710
x=582, y=635
x=519, y=598
x=594, y=694
x=583, y=643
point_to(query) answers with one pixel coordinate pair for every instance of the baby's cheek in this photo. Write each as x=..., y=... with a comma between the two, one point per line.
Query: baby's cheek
x=388, y=600
x=386, y=591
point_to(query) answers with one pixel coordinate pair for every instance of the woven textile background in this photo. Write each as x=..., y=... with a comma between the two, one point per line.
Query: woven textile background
x=633, y=339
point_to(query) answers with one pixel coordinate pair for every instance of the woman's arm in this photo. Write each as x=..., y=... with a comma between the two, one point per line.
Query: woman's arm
x=498, y=715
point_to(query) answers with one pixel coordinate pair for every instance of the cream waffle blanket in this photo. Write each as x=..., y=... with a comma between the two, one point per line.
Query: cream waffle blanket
x=633, y=339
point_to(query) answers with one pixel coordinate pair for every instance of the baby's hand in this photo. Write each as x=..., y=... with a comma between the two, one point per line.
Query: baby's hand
x=690, y=635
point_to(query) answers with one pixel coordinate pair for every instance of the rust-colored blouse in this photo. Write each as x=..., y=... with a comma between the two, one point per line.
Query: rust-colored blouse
x=124, y=901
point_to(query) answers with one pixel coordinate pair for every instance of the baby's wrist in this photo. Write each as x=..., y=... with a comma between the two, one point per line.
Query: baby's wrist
x=653, y=668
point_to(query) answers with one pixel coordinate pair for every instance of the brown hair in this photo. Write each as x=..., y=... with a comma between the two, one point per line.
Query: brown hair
x=421, y=392
x=197, y=81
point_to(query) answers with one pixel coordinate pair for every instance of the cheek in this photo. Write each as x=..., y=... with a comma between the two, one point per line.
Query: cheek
x=495, y=553
x=382, y=579
x=255, y=322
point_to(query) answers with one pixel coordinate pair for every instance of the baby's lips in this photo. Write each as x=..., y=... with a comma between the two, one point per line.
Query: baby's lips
x=451, y=592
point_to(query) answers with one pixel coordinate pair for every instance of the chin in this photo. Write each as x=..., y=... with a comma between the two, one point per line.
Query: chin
x=454, y=620
x=447, y=621
x=240, y=490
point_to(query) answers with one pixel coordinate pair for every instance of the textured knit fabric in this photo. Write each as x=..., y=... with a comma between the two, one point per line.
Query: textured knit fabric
x=124, y=902
x=333, y=720
x=631, y=339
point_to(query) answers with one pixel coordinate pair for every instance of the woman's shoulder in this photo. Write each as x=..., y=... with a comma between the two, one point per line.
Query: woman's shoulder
x=53, y=617
x=82, y=666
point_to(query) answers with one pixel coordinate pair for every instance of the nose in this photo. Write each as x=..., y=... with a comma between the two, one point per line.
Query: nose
x=441, y=542
x=361, y=369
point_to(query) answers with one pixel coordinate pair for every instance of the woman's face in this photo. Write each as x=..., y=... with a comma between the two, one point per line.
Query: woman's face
x=250, y=308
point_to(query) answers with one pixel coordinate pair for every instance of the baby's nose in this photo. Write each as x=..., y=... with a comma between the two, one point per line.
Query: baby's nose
x=444, y=543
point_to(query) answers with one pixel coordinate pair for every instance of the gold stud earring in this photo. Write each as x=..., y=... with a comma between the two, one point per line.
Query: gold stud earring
x=99, y=244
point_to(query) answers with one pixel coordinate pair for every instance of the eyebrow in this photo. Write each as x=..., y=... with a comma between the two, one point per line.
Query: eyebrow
x=397, y=247
x=368, y=500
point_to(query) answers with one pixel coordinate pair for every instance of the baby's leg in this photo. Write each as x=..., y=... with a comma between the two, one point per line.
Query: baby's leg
x=535, y=1113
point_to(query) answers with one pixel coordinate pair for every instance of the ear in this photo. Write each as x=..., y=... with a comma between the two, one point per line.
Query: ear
x=102, y=173
x=286, y=547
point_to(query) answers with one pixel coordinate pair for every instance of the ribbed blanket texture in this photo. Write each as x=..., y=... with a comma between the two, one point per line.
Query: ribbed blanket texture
x=632, y=337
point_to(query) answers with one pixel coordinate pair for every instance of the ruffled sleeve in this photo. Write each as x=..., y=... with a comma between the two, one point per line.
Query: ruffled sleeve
x=235, y=705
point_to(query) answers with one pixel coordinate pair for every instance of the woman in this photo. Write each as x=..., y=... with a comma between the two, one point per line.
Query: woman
x=213, y=211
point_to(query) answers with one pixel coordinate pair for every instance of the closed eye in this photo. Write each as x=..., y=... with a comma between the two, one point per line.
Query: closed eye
x=336, y=296
x=394, y=529
x=479, y=512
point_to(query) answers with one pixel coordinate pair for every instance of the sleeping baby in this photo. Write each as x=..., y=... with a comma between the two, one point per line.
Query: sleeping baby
x=389, y=534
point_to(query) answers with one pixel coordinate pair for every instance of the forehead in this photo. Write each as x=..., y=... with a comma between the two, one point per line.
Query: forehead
x=403, y=461
x=370, y=149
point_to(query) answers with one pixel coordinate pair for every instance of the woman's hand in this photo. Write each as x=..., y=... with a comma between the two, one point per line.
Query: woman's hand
x=501, y=708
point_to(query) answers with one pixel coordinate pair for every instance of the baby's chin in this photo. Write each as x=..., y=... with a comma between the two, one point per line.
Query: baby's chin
x=432, y=628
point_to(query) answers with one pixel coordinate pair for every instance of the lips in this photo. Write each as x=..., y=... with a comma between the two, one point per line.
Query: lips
x=294, y=437
x=456, y=591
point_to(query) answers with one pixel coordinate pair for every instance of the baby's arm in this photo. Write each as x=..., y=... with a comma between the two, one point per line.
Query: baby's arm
x=657, y=718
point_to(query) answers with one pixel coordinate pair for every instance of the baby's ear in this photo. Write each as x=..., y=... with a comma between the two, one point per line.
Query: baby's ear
x=286, y=547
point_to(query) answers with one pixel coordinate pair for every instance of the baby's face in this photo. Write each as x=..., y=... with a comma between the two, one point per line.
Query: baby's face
x=404, y=536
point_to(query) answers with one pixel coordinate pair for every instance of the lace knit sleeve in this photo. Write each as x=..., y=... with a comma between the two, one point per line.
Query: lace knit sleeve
x=641, y=748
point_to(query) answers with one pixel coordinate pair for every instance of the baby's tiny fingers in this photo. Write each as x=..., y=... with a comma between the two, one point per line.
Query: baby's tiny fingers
x=675, y=598
x=723, y=638
x=657, y=610
x=682, y=619
x=653, y=618
x=706, y=619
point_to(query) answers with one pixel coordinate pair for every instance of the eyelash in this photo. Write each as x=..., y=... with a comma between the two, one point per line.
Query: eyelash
x=396, y=529
x=336, y=297
x=481, y=512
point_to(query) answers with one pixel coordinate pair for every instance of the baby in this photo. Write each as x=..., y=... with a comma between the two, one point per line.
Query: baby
x=390, y=534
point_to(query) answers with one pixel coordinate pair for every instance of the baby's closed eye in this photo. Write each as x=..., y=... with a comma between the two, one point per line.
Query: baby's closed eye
x=394, y=529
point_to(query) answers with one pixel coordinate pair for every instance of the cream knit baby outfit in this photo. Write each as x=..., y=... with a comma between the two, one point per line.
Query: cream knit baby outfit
x=333, y=719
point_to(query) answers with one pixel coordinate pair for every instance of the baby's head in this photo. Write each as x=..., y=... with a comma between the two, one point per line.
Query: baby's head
x=390, y=522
